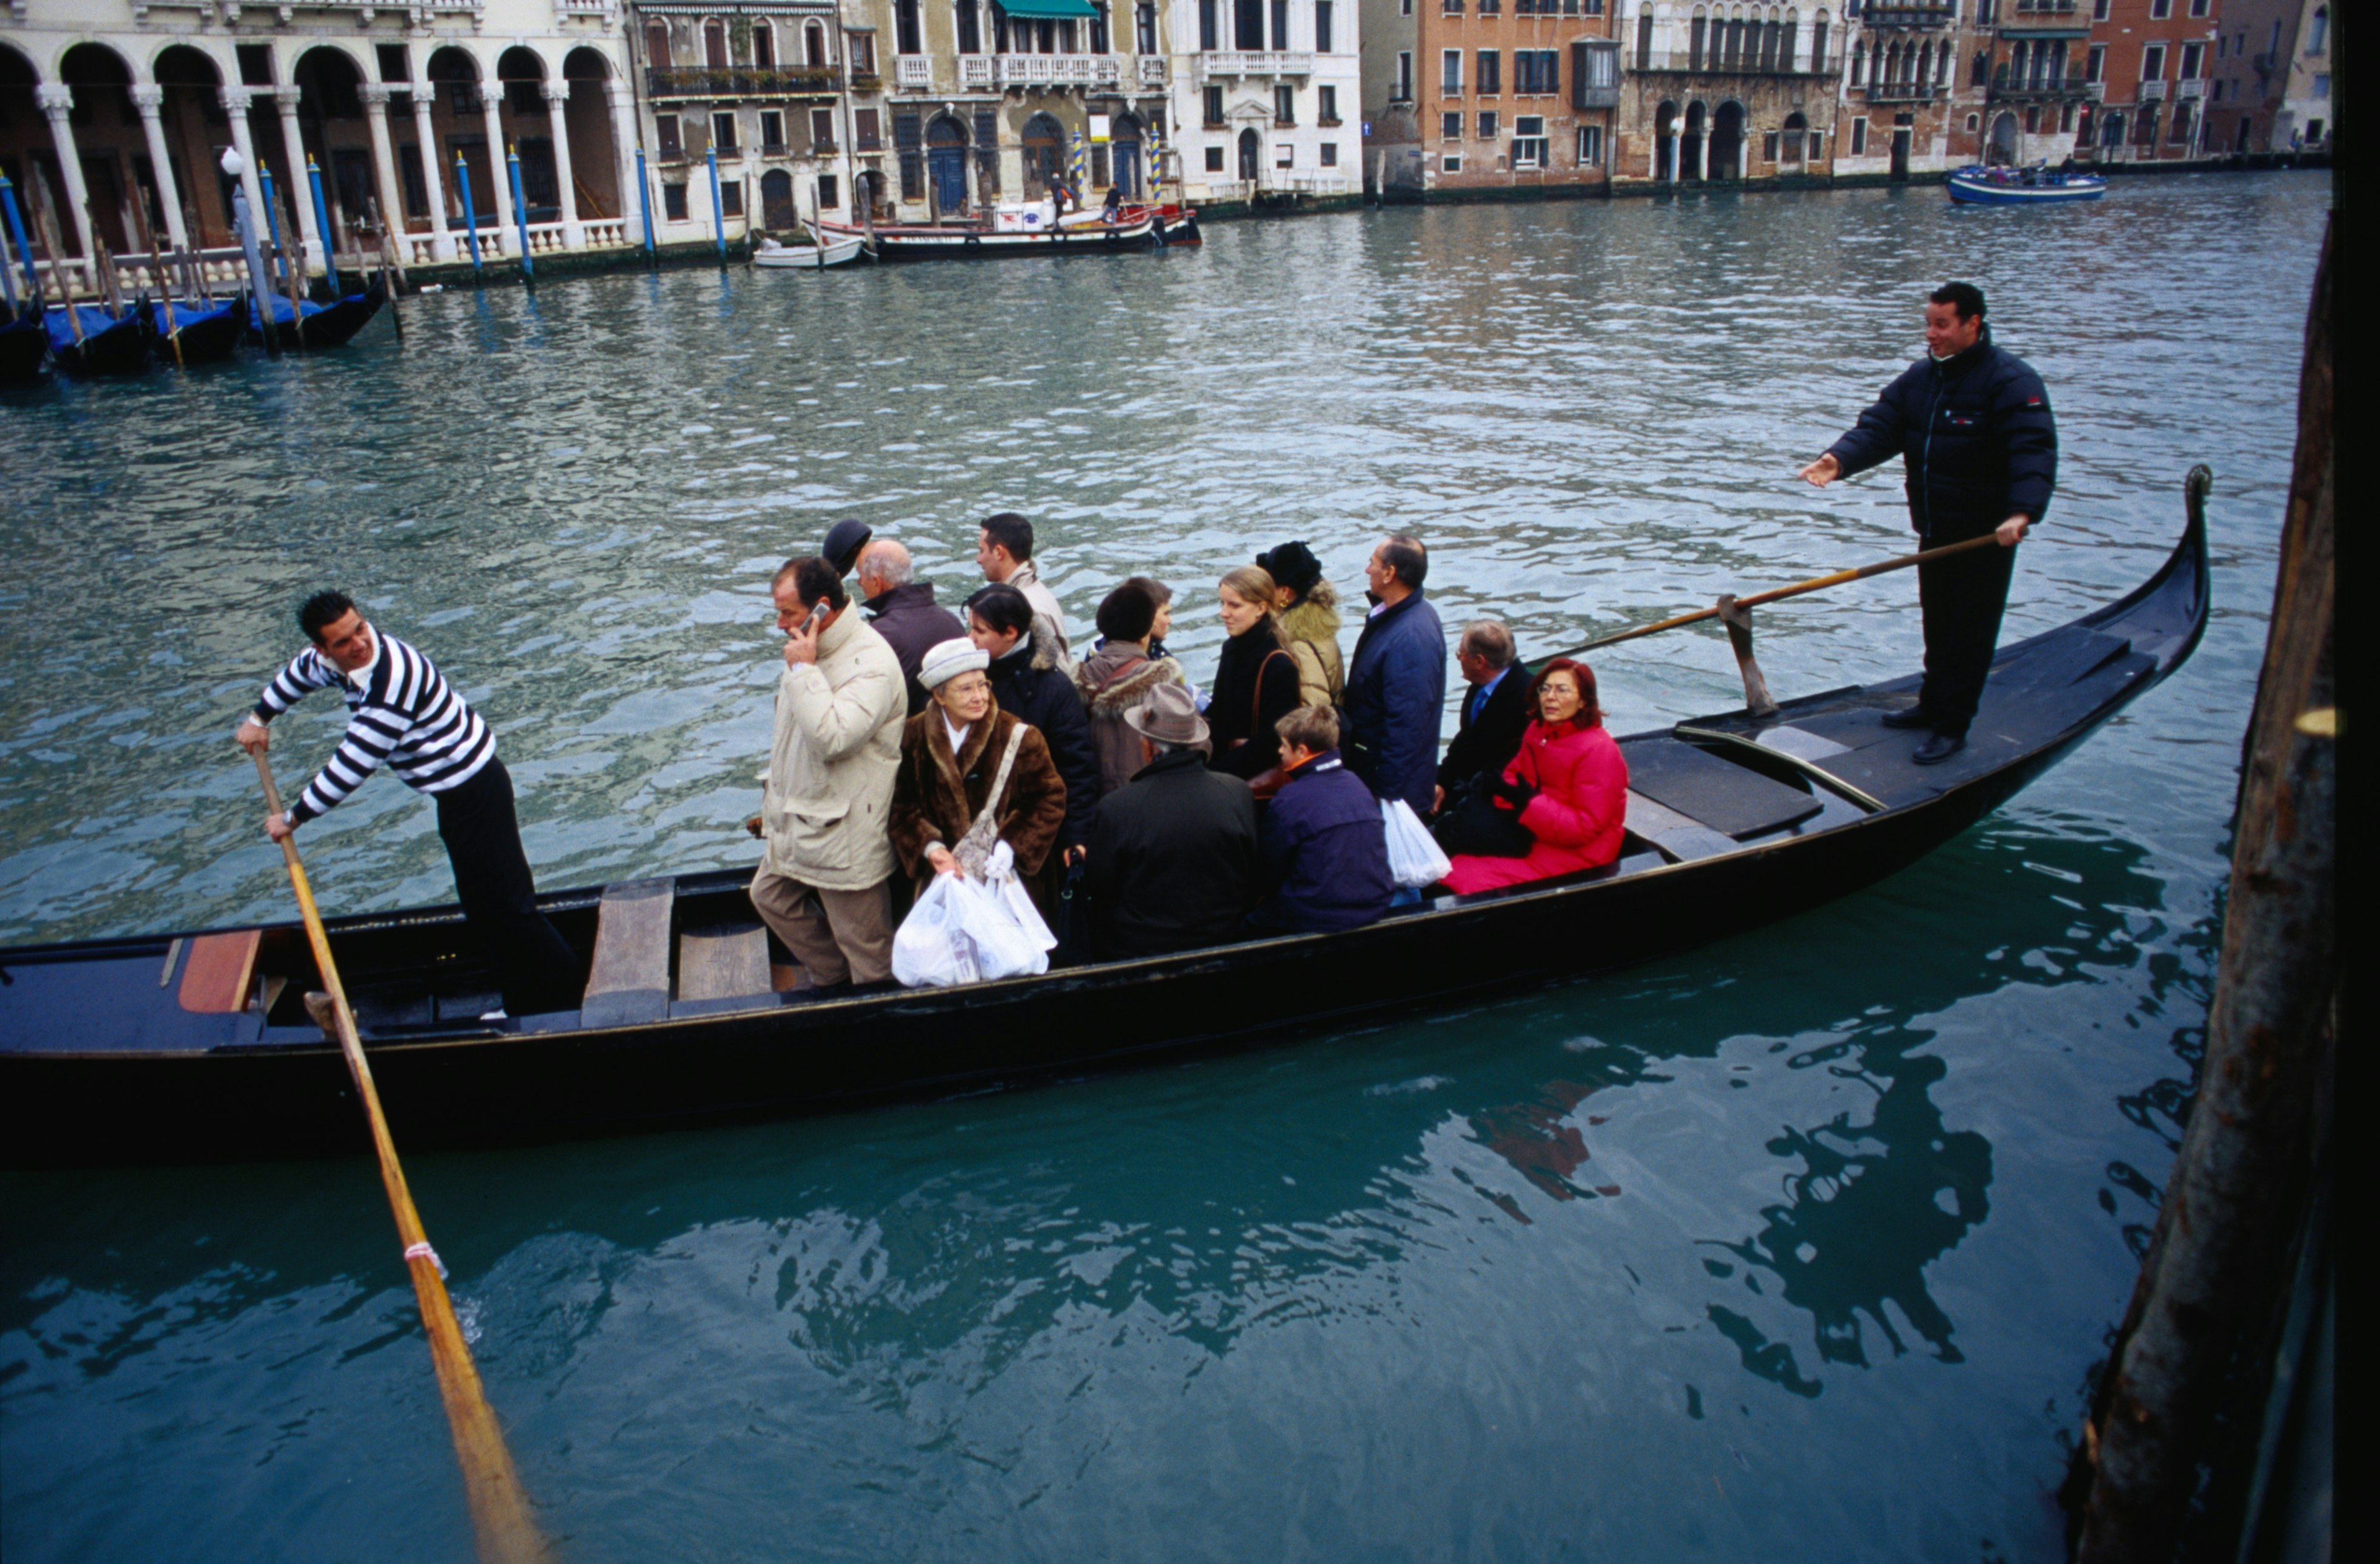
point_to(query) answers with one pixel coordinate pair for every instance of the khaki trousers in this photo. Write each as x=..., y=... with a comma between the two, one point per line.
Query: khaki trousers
x=838, y=936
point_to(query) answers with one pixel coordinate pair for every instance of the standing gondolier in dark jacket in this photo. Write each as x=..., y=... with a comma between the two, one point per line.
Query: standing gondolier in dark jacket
x=401, y=711
x=1972, y=427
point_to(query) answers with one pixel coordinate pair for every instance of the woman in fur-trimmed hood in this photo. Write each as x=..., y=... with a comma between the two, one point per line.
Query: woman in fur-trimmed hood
x=1120, y=675
x=1308, y=614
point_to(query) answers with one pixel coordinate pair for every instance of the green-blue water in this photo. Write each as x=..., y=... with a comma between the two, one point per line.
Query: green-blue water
x=1802, y=1246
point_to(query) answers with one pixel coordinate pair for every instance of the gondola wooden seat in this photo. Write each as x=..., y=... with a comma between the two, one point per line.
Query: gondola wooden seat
x=629, y=983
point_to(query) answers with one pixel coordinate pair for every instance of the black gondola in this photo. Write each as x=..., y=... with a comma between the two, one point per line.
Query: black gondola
x=209, y=332
x=23, y=343
x=166, y=1047
x=110, y=344
x=325, y=325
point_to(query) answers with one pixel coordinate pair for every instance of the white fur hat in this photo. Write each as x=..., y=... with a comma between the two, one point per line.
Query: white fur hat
x=947, y=659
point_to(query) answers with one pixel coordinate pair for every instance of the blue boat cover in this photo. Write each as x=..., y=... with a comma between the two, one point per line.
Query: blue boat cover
x=188, y=315
x=95, y=320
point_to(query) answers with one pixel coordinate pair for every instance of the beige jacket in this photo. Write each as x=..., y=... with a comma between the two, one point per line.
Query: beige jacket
x=827, y=799
x=1027, y=580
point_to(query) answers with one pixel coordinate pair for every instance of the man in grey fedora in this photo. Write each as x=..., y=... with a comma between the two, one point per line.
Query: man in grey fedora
x=1173, y=859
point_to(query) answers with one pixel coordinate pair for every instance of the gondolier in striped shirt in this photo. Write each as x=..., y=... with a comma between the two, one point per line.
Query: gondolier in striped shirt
x=402, y=711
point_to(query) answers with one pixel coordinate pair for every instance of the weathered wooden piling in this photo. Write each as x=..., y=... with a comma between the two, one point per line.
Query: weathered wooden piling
x=2201, y=1318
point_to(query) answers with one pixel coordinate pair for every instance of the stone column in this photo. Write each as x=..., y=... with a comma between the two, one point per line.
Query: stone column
x=442, y=243
x=623, y=146
x=301, y=189
x=557, y=104
x=1677, y=151
x=57, y=103
x=491, y=102
x=149, y=100
x=392, y=195
x=236, y=101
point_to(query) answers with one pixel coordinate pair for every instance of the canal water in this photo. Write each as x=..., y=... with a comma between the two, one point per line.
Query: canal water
x=1801, y=1246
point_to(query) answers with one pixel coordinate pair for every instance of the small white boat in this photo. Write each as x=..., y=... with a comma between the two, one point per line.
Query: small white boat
x=810, y=257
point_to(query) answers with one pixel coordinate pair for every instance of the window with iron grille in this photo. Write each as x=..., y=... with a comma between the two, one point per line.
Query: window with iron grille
x=908, y=143
x=673, y=202
x=1449, y=124
x=1487, y=124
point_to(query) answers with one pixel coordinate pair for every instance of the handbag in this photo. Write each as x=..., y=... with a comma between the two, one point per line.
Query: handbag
x=975, y=848
x=1266, y=783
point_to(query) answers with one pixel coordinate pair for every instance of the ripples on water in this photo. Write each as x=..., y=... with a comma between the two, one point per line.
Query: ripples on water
x=1798, y=1247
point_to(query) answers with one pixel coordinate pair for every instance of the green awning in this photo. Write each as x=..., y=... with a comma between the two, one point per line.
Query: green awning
x=1049, y=10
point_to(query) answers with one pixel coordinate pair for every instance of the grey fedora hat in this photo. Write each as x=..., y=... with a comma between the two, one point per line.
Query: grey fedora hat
x=1167, y=716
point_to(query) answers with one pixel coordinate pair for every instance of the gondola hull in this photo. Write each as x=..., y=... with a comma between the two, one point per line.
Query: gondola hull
x=108, y=344
x=323, y=325
x=206, y=335
x=921, y=242
x=98, y=1064
x=23, y=345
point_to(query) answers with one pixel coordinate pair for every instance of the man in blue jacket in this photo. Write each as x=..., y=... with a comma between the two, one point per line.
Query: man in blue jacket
x=1326, y=853
x=1396, y=682
x=1972, y=427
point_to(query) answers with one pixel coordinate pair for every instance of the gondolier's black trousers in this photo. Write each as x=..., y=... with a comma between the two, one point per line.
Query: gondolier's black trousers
x=1962, y=597
x=532, y=961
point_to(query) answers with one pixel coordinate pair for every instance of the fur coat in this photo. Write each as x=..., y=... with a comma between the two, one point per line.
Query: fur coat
x=1112, y=681
x=937, y=794
x=1311, y=631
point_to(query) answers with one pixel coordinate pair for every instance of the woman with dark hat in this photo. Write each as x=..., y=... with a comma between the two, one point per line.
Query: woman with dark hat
x=1307, y=611
x=1567, y=787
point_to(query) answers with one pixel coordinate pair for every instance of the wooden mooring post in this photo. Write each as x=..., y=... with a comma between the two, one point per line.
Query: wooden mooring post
x=2197, y=1339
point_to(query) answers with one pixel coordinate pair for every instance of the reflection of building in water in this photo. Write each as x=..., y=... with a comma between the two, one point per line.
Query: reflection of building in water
x=111, y=103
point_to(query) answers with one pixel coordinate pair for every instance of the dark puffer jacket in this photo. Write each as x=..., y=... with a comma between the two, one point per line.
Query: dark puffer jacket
x=1975, y=434
x=1326, y=852
x=1033, y=683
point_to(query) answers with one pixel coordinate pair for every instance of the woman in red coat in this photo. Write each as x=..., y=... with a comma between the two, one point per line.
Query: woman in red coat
x=1567, y=784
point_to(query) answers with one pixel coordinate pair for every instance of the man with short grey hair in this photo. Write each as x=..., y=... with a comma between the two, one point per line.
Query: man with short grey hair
x=1494, y=714
x=902, y=609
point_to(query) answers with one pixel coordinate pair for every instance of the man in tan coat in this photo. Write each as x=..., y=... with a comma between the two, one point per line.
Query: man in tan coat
x=824, y=883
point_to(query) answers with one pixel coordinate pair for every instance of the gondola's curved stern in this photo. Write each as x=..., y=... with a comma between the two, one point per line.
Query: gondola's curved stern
x=199, y=1045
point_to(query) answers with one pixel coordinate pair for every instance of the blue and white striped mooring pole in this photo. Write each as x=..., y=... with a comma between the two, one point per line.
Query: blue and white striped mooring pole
x=520, y=214
x=470, y=212
x=718, y=218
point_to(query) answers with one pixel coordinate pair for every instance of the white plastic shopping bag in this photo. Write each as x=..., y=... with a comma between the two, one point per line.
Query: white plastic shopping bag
x=1414, y=857
x=972, y=929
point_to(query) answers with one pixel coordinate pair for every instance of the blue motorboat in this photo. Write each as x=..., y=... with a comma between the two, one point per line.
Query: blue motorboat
x=1976, y=184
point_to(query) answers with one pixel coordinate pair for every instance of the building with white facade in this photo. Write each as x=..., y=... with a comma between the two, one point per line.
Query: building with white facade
x=414, y=111
x=1267, y=97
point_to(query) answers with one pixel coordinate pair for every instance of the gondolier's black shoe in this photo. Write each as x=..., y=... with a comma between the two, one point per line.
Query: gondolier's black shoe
x=1908, y=717
x=1939, y=749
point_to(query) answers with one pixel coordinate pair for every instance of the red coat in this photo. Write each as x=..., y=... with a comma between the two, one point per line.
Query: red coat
x=1577, y=815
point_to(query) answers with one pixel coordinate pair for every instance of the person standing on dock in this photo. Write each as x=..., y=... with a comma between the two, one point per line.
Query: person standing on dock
x=1004, y=549
x=1972, y=427
x=402, y=710
x=825, y=886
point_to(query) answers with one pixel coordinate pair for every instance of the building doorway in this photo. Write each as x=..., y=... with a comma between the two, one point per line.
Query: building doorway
x=1665, y=138
x=1690, y=145
x=1900, y=134
x=2003, y=144
x=1044, y=142
x=946, y=164
x=1251, y=155
x=1727, y=142
x=1124, y=154
x=777, y=211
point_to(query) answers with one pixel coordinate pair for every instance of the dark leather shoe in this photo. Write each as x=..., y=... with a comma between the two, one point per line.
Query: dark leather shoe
x=1908, y=717
x=1939, y=749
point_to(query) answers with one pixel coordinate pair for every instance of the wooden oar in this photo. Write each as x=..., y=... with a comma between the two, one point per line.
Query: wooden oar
x=1775, y=594
x=500, y=1513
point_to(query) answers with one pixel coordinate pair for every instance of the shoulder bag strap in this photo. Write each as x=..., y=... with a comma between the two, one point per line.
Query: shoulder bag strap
x=977, y=844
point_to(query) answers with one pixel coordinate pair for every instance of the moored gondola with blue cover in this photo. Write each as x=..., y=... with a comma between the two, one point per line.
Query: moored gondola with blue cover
x=209, y=332
x=24, y=344
x=321, y=325
x=198, y=1045
x=109, y=344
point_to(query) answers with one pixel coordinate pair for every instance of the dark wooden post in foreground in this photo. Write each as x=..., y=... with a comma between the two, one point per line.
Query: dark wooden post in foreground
x=2202, y=1311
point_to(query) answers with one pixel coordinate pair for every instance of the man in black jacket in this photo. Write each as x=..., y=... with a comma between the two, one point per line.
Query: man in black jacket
x=902, y=609
x=1030, y=681
x=1495, y=711
x=1972, y=427
x=1173, y=863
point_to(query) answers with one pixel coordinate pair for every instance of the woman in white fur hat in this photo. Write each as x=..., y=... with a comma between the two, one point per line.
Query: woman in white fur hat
x=971, y=776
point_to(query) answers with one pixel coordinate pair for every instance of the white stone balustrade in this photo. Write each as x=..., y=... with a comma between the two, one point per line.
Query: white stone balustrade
x=914, y=70
x=1152, y=70
x=1251, y=62
x=1058, y=70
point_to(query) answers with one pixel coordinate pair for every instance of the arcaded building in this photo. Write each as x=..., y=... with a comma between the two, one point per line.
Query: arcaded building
x=1712, y=93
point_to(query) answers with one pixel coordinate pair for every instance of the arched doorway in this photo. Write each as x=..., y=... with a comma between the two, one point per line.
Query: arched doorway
x=1251, y=155
x=1690, y=146
x=595, y=150
x=2003, y=142
x=1043, y=142
x=1726, y=142
x=1790, y=144
x=1665, y=130
x=331, y=120
x=103, y=111
x=946, y=164
x=777, y=210
x=194, y=121
x=2112, y=130
x=522, y=72
x=868, y=188
x=1125, y=155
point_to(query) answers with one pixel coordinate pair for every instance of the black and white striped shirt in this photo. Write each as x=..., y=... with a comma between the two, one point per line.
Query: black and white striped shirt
x=400, y=709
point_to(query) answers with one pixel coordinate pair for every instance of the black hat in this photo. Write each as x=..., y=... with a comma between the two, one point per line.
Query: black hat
x=844, y=541
x=1291, y=566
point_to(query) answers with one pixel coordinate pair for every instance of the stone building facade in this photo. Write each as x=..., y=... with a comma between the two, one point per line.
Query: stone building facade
x=1267, y=96
x=2149, y=60
x=1712, y=93
x=975, y=101
x=1915, y=76
x=2274, y=87
x=1488, y=96
x=401, y=109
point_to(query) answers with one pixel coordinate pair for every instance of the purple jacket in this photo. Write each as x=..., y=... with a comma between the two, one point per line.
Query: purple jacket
x=1325, y=851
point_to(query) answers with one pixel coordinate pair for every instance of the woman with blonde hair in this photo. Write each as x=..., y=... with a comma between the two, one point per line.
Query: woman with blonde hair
x=1256, y=679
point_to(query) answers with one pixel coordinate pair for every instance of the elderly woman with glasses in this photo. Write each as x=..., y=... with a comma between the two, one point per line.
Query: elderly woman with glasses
x=1566, y=790
x=972, y=776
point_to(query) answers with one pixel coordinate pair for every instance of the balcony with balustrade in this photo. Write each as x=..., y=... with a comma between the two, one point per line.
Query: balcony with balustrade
x=1902, y=16
x=2047, y=19
x=1227, y=64
x=982, y=72
x=1683, y=62
x=913, y=70
x=2039, y=87
x=718, y=83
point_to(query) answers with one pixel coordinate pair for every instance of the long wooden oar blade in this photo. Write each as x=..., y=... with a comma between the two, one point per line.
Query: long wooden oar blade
x=1777, y=594
x=507, y=1532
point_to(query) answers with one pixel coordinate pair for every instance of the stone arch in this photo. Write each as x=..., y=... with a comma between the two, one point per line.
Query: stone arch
x=715, y=53
x=1665, y=128
x=1790, y=145
x=107, y=139
x=1691, y=140
x=2003, y=147
x=584, y=64
x=946, y=148
x=1044, y=141
x=596, y=154
x=1125, y=154
x=1730, y=126
x=777, y=210
x=1698, y=43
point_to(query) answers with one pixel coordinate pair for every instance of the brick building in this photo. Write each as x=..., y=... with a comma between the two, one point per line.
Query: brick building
x=2273, y=76
x=2039, y=91
x=2146, y=71
x=1712, y=94
x=1489, y=95
x=1915, y=78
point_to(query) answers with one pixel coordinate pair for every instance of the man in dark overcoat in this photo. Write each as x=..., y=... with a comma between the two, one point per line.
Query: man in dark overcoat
x=1173, y=856
x=1972, y=427
x=1494, y=713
